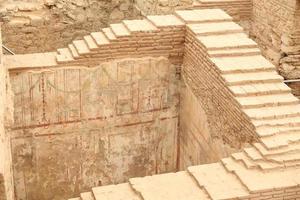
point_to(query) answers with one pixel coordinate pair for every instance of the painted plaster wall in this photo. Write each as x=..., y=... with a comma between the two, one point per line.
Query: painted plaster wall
x=79, y=127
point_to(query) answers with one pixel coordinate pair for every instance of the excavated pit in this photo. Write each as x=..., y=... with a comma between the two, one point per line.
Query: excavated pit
x=80, y=126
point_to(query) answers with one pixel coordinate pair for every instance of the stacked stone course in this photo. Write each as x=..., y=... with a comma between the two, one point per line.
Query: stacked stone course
x=240, y=10
x=136, y=38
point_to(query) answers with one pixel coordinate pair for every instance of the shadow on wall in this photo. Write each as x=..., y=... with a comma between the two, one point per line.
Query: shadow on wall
x=2, y=188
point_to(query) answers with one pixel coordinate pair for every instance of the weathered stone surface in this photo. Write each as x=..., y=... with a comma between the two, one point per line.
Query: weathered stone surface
x=276, y=26
x=148, y=7
x=47, y=25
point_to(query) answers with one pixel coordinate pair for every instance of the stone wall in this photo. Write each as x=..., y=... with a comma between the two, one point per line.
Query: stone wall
x=276, y=26
x=76, y=127
x=159, y=7
x=39, y=26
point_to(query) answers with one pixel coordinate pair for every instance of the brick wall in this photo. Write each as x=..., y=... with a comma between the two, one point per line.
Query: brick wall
x=225, y=121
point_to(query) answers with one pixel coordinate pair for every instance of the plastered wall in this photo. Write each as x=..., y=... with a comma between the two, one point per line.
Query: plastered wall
x=78, y=127
x=6, y=181
x=197, y=144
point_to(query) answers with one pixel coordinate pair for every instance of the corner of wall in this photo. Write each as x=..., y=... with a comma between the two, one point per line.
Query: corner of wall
x=6, y=175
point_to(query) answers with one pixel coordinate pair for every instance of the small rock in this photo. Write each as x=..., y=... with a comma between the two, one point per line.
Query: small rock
x=36, y=21
x=49, y=2
x=287, y=40
x=124, y=7
x=116, y=15
x=287, y=68
x=80, y=17
x=163, y=2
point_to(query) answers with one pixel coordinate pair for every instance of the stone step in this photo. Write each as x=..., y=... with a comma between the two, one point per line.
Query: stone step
x=100, y=38
x=161, y=21
x=287, y=159
x=143, y=25
x=243, y=64
x=292, y=148
x=258, y=181
x=166, y=186
x=119, y=30
x=64, y=55
x=115, y=192
x=230, y=164
x=253, y=153
x=90, y=42
x=280, y=140
x=264, y=131
x=276, y=123
x=245, y=159
x=109, y=34
x=228, y=41
x=74, y=51
x=234, y=52
x=233, y=165
x=251, y=164
x=240, y=4
x=81, y=47
x=87, y=196
x=212, y=177
x=252, y=78
x=254, y=89
x=278, y=112
x=219, y=28
x=203, y=15
x=267, y=100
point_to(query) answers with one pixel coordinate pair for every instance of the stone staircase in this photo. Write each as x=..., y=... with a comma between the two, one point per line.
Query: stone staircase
x=239, y=9
x=130, y=37
x=268, y=169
